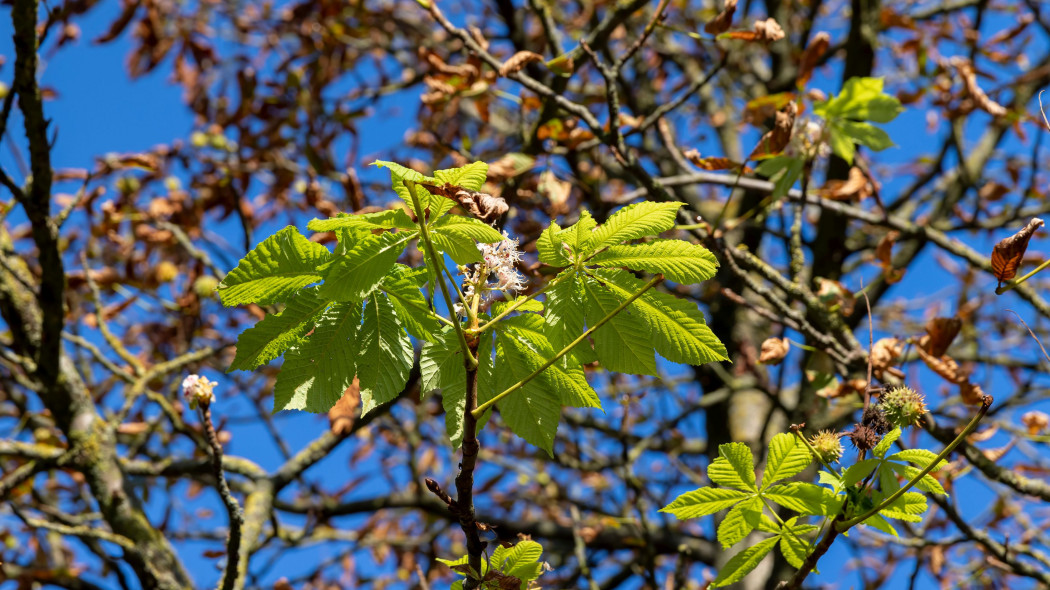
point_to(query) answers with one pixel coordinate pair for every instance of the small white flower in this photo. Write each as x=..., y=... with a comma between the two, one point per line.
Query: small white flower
x=198, y=390
x=808, y=139
x=500, y=260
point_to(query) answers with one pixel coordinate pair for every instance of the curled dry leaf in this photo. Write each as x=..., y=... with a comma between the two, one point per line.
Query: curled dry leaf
x=1007, y=254
x=723, y=21
x=884, y=257
x=818, y=45
x=992, y=191
x=509, y=166
x=518, y=61
x=884, y=355
x=855, y=188
x=969, y=76
x=946, y=367
x=557, y=192
x=776, y=139
x=483, y=206
x=835, y=295
x=714, y=163
x=342, y=415
x=774, y=350
x=940, y=332
x=1035, y=421
x=765, y=31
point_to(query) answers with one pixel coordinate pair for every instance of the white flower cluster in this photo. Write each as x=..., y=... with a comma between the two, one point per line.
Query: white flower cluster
x=198, y=390
x=808, y=139
x=498, y=262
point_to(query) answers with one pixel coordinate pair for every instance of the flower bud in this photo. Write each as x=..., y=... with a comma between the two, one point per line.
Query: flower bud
x=198, y=390
x=827, y=445
x=903, y=406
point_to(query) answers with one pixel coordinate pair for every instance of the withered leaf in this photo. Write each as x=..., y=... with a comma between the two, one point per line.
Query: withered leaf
x=518, y=61
x=1035, y=421
x=342, y=415
x=776, y=139
x=818, y=45
x=723, y=21
x=884, y=256
x=483, y=206
x=765, y=31
x=884, y=355
x=774, y=350
x=714, y=163
x=855, y=187
x=1008, y=253
x=969, y=76
x=941, y=332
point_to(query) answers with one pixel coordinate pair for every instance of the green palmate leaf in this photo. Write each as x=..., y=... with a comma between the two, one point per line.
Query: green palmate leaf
x=928, y=483
x=792, y=542
x=804, y=498
x=739, y=522
x=468, y=227
x=520, y=561
x=635, y=221
x=865, y=134
x=679, y=261
x=703, y=502
x=886, y=442
x=679, y=332
x=353, y=276
x=734, y=467
x=530, y=305
x=579, y=235
x=841, y=144
x=533, y=411
x=861, y=99
x=386, y=354
x=888, y=483
x=788, y=456
x=459, y=247
x=409, y=304
x=318, y=370
x=442, y=371
x=394, y=218
x=276, y=333
x=549, y=246
x=920, y=457
x=278, y=267
x=829, y=479
x=742, y=563
x=623, y=344
x=908, y=507
x=526, y=335
x=857, y=472
x=470, y=176
x=398, y=175
x=565, y=318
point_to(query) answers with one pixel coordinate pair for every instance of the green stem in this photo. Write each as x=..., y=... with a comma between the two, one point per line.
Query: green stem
x=986, y=403
x=1015, y=282
x=518, y=303
x=568, y=347
x=424, y=232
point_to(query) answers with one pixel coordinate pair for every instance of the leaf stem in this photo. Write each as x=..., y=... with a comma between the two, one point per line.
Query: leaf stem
x=424, y=232
x=985, y=404
x=1010, y=285
x=568, y=347
x=515, y=305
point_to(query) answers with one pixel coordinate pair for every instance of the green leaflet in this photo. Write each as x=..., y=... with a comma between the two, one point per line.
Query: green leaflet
x=391, y=219
x=886, y=442
x=467, y=227
x=792, y=546
x=578, y=236
x=565, y=318
x=678, y=260
x=623, y=344
x=410, y=306
x=679, y=332
x=520, y=561
x=386, y=354
x=635, y=221
x=739, y=522
x=742, y=563
x=549, y=246
x=460, y=248
x=442, y=371
x=803, y=497
x=526, y=334
x=275, y=269
x=788, y=456
x=734, y=467
x=703, y=502
x=533, y=411
x=908, y=507
x=928, y=483
x=353, y=276
x=861, y=99
x=275, y=333
x=471, y=176
x=399, y=173
x=318, y=370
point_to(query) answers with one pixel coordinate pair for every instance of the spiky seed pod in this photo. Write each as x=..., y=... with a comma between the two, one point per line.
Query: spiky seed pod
x=828, y=446
x=864, y=437
x=875, y=419
x=903, y=406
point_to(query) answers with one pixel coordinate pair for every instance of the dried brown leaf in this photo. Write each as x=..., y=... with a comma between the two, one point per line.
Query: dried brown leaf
x=884, y=354
x=856, y=187
x=969, y=76
x=941, y=332
x=818, y=45
x=518, y=61
x=884, y=256
x=723, y=21
x=774, y=350
x=714, y=163
x=776, y=139
x=1035, y=421
x=483, y=206
x=342, y=415
x=1008, y=253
